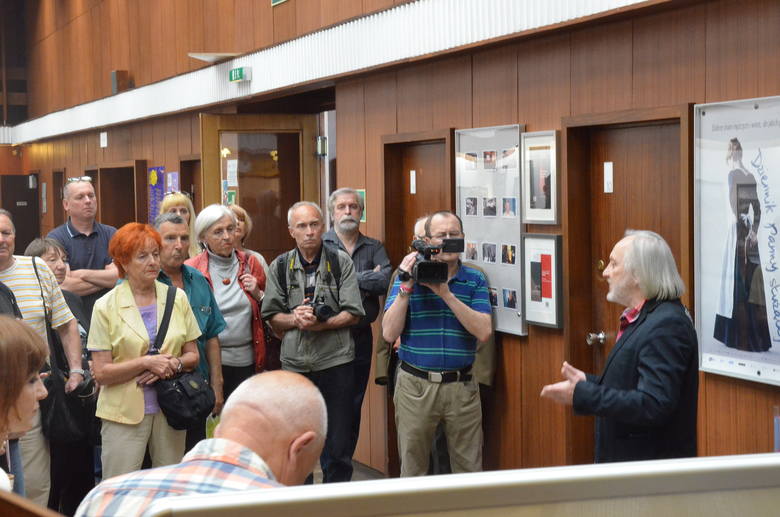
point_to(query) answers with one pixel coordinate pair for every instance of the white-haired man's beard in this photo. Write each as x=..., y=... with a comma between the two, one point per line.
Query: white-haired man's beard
x=347, y=224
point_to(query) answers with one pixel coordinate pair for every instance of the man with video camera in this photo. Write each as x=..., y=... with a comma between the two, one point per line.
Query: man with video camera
x=311, y=300
x=440, y=309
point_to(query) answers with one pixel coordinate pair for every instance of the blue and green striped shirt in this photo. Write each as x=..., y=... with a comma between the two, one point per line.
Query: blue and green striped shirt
x=433, y=338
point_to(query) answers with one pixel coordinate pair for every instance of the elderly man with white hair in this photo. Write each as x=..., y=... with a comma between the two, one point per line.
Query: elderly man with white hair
x=272, y=431
x=645, y=400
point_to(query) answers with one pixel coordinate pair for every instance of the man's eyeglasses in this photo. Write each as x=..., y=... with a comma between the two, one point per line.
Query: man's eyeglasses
x=80, y=178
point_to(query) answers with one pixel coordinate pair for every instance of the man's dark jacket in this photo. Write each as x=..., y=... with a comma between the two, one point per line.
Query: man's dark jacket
x=645, y=401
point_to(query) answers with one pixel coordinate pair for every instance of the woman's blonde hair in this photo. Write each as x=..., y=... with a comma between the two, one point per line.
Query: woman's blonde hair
x=22, y=354
x=243, y=216
x=174, y=199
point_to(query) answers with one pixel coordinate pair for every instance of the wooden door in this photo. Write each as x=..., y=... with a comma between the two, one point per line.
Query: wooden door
x=646, y=196
x=116, y=196
x=19, y=198
x=189, y=181
x=429, y=155
x=267, y=162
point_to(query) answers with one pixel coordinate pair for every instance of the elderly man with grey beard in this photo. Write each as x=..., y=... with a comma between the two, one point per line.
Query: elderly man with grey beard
x=373, y=269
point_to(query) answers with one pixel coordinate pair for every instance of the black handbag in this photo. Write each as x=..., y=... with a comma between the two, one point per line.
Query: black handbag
x=186, y=399
x=66, y=417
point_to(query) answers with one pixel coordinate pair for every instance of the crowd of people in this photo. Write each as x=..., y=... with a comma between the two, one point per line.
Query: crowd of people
x=99, y=296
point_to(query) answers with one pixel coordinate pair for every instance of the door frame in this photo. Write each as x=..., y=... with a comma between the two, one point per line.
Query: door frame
x=211, y=124
x=392, y=147
x=575, y=191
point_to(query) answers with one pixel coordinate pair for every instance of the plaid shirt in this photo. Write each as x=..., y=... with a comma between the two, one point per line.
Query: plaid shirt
x=212, y=466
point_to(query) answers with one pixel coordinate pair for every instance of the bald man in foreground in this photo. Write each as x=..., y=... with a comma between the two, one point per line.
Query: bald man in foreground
x=271, y=434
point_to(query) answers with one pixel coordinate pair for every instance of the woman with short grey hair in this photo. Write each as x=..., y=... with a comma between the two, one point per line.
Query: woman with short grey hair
x=238, y=282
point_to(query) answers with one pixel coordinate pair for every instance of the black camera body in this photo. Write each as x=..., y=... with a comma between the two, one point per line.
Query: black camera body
x=322, y=310
x=429, y=271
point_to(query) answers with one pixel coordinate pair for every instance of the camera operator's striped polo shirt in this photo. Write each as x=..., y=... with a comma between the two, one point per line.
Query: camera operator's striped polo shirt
x=433, y=338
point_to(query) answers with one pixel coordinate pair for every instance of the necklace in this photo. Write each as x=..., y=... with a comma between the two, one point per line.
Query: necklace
x=226, y=281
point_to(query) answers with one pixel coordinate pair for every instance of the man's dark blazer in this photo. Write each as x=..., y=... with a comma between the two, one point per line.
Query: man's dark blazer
x=645, y=401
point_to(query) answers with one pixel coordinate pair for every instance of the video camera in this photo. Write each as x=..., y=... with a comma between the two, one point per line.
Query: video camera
x=428, y=271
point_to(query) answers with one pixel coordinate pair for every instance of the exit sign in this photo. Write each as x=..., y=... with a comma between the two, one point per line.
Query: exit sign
x=240, y=74
x=277, y=2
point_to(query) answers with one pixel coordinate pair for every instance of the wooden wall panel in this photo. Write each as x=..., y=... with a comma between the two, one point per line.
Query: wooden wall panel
x=742, y=42
x=669, y=58
x=350, y=141
x=601, y=68
x=543, y=78
x=79, y=42
x=451, y=93
x=370, y=6
x=415, y=110
x=9, y=164
x=284, y=22
x=334, y=11
x=380, y=119
x=495, y=86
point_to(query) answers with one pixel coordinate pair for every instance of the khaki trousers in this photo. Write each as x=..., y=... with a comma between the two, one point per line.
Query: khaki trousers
x=36, y=463
x=124, y=445
x=420, y=405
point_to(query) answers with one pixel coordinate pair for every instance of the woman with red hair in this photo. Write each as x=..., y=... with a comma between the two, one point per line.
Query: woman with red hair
x=127, y=364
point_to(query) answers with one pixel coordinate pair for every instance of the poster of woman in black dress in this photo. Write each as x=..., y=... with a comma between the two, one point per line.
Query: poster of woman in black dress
x=741, y=320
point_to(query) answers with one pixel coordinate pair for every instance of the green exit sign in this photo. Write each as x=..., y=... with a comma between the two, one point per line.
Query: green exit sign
x=277, y=2
x=240, y=74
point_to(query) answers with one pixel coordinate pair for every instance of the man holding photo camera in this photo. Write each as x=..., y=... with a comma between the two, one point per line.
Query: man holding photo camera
x=439, y=324
x=311, y=300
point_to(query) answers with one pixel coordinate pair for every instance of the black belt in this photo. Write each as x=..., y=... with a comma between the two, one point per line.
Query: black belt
x=438, y=377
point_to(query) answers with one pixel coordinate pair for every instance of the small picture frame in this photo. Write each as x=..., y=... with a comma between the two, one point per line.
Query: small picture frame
x=542, y=303
x=539, y=177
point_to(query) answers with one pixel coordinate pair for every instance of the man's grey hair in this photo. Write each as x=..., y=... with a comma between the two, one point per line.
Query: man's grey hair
x=343, y=192
x=210, y=215
x=650, y=260
x=300, y=204
x=66, y=188
x=168, y=217
x=6, y=213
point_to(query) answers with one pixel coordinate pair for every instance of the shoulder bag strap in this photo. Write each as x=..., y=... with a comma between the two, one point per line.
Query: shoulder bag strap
x=54, y=351
x=170, y=299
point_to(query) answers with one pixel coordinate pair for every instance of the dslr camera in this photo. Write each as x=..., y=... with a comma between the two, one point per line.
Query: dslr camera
x=322, y=310
x=428, y=271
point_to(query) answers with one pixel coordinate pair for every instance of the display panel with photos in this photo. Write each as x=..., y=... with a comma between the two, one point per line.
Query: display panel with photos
x=542, y=302
x=487, y=169
x=540, y=177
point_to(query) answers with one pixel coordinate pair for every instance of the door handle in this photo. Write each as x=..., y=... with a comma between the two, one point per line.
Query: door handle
x=593, y=338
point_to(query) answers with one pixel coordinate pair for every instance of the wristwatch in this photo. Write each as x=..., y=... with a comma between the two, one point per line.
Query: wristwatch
x=79, y=371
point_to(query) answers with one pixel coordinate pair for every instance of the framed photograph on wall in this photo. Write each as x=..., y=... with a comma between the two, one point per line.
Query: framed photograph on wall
x=542, y=304
x=540, y=177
